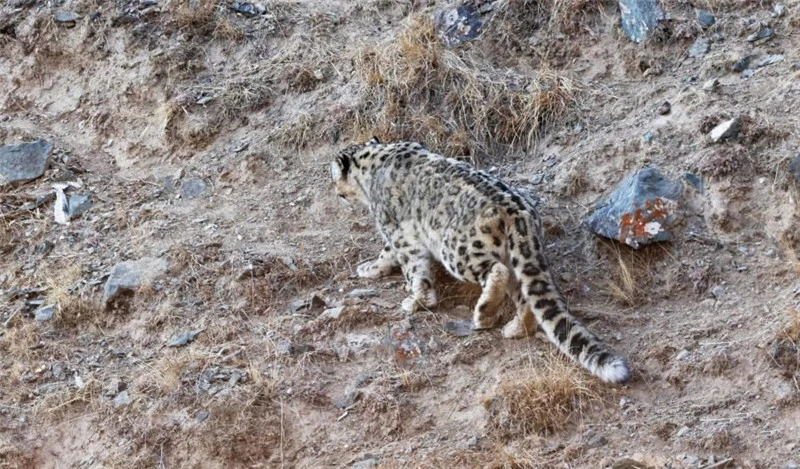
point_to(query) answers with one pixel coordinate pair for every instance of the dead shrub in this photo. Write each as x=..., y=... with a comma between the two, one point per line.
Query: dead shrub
x=198, y=17
x=784, y=349
x=18, y=342
x=415, y=89
x=71, y=309
x=542, y=401
x=200, y=110
x=629, y=282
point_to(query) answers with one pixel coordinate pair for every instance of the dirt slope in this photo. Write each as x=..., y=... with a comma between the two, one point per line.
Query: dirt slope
x=203, y=135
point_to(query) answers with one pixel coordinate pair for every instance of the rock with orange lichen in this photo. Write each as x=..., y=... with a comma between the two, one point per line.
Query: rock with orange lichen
x=640, y=211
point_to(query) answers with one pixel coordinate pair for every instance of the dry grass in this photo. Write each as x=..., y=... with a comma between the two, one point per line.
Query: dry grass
x=496, y=457
x=201, y=110
x=163, y=376
x=206, y=18
x=551, y=16
x=415, y=89
x=789, y=250
x=628, y=283
x=542, y=401
x=71, y=309
x=56, y=405
x=18, y=341
x=12, y=455
x=785, y=348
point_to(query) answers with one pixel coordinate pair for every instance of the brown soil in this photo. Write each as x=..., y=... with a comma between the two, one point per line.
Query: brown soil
x=143, y=101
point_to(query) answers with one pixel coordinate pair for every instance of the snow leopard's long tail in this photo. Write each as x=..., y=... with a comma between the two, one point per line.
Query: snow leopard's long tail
x=545, y=301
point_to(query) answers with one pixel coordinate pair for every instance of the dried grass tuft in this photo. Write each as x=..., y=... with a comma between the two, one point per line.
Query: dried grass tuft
x=542, y=401
x=629, y=283
x=206, y=18
x=415, y=89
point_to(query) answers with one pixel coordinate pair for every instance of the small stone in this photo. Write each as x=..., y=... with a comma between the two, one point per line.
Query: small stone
x=248, y=9
x=682, y=432
x=69, y=17
x=784, y=391
x=778, y=10
x=790, y=466
x=368, y=463
x=718, y=292
x=639, y=211
x=763, y=34
x=308, y=304
x=363, y=293
x=639, y=18
x=794, y=168
x=114, y=387
x=404, y=343
x=23, y=162
x=691, y=461
x=629, y=463
x=331, y=313
x=192, y=188
x=694, y=181
x=536, y=179
x=78, y=204
x=647, y=137
x=183, y=339
x=664, y=109
x=726, y=130
x=473, y=442
x=127, y=277
x=461, y=328
x=681, y=355
x=58, y=371
x=122, y=399
x=748, y=73
x=711, y=85
x=704, y=17
x=458, y=24
x=769, y=60
x=700, y=48
x=45, y=313
x=349, y=399
x=741, y=64
x=201, y=416
x=597, y=442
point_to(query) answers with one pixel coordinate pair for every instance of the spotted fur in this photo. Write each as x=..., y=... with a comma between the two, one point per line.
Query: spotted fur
x=428, y=207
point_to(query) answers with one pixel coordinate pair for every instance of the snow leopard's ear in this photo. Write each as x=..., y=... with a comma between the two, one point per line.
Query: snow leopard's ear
x=340, y=166
x=374, y=141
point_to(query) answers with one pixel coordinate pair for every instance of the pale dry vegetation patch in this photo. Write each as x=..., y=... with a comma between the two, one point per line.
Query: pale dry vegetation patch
x=206, y=18
x=542, y=399
x=18, y=340
x=71, y=309
x=201, y=109
x=784, y=349
x=629, y=281
x=412, y=88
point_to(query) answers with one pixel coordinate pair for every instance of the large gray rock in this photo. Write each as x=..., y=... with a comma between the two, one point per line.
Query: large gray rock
x=639, y=211
x=23, y=162
x=127, y=277
x=639, y=17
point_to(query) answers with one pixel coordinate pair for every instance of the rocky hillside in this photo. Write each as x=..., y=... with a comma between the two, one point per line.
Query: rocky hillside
x=177, y=277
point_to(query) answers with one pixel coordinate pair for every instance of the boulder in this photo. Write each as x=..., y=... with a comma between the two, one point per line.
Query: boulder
x=639, y=211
